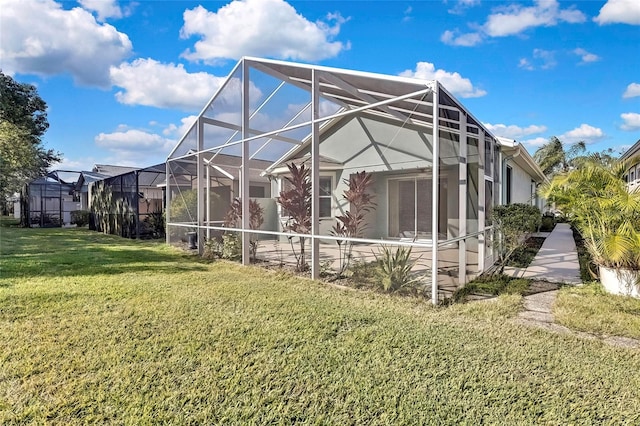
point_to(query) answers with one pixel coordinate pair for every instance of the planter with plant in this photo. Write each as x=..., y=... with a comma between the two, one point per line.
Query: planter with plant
x=596, y=200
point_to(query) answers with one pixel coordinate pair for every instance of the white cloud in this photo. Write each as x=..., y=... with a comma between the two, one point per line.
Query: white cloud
x=462, y=5
x=515, y=18
x=85, y=163
x=453, y=81
x=585, y=56
x=177, y=132
x=619, y=11
x=105, y=9
x=271, y=28
x=149, y=82
x=586, y=133
x=631, y=121
x=514, y=132
x=39, y=37
x=632, y=91
x=407, y=14
x=541, y=59
x=454, y=38
x=535, y=142
x=134, y=147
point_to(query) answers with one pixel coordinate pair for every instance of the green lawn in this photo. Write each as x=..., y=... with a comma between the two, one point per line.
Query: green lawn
x=97, y=329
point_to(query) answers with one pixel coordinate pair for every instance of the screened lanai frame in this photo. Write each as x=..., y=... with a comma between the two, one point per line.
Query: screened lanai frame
x=48, y=201
x=232, y=124
x=135, y=196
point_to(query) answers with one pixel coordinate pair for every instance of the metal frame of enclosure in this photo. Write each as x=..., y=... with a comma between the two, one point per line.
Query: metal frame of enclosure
x=435, y=167
x=134, y=197
x=48, y=201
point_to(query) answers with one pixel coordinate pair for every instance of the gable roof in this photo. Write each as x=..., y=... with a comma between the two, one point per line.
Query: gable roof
x=517, y=153
x=112, y=170
x=634, y=150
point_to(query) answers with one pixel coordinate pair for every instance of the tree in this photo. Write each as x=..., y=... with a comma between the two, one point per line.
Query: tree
x=553, y=158
x=23, y=121
x=597, y=201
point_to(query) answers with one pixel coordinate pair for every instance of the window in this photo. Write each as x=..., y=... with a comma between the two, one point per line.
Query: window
x=632, y=177
x=508, y=185
x=256, y=191
x=326, y=186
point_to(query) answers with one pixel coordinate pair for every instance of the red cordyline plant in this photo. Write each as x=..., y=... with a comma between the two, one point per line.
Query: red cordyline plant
x=296, y=203
x=233, y=218
x=352, y=223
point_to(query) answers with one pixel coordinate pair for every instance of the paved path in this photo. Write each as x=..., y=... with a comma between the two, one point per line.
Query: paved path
x=557, y=262
x=557, y=259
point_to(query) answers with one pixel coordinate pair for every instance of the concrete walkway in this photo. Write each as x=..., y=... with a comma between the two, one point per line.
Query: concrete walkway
x=557, y=259
x=556, y=262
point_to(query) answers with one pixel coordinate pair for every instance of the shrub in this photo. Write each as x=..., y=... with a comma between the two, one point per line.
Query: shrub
x=514, y=223
x=231, y=246
x=80, y=217
x=213, y=249
x=296, y=204
x=352, y=223
x=548, y=223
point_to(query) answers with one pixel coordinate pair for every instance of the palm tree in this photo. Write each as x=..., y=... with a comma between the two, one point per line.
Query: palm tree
x=596, y=200
x=553, y=158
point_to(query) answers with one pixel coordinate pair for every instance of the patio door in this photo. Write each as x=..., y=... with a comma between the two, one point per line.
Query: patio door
x=410, y=207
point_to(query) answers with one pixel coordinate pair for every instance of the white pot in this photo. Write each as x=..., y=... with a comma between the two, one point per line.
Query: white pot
x=620, y=281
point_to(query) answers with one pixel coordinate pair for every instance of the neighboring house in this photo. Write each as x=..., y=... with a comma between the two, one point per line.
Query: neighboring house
x=633, y=174
x=521, y=175
x=49, y=200
x=432, y=176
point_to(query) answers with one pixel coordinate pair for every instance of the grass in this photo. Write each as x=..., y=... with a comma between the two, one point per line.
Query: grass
x=98, y=329
x=589, y=308
x=495, y=285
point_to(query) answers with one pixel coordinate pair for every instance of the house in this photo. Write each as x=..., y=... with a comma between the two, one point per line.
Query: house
x=437, y=170
x=633, y=156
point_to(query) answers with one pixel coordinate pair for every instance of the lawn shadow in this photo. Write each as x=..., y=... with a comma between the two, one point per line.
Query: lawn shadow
x=28, y=253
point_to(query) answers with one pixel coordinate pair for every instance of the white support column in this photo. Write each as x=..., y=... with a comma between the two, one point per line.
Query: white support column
x=462, y=201
x=167, y=201
x=208, y=200
x=200, y=179
x=315, y=176
x=244, y=181
x=481, y=204
x=435, y=205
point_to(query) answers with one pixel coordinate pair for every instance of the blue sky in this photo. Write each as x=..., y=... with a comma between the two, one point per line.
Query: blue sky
x=124, y=79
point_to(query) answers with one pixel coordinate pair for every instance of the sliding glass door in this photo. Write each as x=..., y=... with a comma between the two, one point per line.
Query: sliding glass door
x=410, y=208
